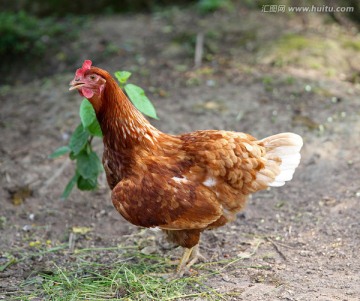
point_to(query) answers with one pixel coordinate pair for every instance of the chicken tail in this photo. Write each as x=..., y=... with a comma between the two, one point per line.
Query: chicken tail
x=282, y=157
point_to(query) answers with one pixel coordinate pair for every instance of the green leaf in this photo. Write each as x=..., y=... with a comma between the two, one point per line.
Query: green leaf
x=95, y=129
x=88, y=119
x=69, y=187
x=122, y=77
x=78, y=139
x=7, y=264
x=86, y=184
x=88, y=165
x=140, y=100
x=72, y=156
x=62, y=150
x=87, y=113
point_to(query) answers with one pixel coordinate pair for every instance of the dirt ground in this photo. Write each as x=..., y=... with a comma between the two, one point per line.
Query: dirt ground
x=286, y=73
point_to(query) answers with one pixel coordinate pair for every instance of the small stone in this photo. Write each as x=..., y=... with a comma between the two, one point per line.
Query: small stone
x=148, y=250
x=27, y=228
x=210, y=83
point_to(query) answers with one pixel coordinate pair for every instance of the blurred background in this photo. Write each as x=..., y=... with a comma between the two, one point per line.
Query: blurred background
x=46, y=37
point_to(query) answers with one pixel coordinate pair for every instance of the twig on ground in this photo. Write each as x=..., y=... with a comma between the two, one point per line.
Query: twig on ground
x=199, y=49
x=56, y=174
x=72, y=240
x=277, y=249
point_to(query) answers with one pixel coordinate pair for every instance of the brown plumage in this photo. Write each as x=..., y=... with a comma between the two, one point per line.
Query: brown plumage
x=186, y=183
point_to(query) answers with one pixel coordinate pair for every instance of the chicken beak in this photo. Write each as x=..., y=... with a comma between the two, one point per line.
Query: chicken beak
x=75, y=85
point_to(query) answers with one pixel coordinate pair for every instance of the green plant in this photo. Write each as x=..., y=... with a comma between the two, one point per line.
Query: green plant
x=128, y=275
x=209, y=6
x=88, y=165
x=23, y=34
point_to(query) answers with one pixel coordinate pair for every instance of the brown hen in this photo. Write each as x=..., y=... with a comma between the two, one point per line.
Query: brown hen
x=182, y=184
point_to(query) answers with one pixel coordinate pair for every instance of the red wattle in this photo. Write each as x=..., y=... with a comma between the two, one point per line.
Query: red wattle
x=88, y=93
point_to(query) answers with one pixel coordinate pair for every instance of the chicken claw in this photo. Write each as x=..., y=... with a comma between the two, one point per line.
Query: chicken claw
x=190, y=257
x=195, y=256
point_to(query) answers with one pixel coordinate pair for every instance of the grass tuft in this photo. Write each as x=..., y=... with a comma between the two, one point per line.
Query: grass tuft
x=135, y=276
x=123, y=273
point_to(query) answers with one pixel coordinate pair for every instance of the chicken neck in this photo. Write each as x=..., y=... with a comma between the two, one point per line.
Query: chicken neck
x=123, y=126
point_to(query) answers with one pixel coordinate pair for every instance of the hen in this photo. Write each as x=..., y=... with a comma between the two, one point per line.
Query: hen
x=182, y=184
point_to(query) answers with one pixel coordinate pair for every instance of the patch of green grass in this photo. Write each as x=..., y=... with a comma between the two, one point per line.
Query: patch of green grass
x=268, y=83
x=290, y=47
x=3, y=221
x=122, y=273
x=311, y=52
x=209, y=6
x=133, y=280
x=133, y=276
x=352, y=44
x=290, y=42
x=23, y=34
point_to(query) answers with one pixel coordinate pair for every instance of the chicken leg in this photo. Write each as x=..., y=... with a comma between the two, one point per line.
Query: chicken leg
x=190, y=256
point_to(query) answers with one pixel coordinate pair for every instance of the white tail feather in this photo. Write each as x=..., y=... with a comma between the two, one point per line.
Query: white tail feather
x=282, y=157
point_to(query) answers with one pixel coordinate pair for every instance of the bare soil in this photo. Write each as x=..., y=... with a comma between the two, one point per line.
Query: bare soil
x=306, y=234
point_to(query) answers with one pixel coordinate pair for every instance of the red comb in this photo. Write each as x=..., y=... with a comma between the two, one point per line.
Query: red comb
x=86, y=66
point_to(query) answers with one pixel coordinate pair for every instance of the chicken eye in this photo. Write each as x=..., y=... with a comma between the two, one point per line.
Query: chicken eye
x=92, y=76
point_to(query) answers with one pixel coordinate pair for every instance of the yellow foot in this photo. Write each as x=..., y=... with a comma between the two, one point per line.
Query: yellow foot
x=195, y=257
x=190, y=257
